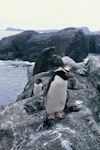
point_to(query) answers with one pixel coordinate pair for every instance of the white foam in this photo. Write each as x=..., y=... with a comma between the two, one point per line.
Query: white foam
x=15, y=62
x=89, y=56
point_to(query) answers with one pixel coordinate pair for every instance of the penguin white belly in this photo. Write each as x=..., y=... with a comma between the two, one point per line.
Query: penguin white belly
x=56, y=96
x=37, y=88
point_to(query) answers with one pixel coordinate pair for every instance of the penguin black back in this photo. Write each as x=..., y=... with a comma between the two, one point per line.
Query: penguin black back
x=48, y=86
x=60, y=72
x=38, y=81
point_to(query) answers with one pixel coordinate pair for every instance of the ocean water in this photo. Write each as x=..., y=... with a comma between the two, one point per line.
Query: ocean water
x=13, y=78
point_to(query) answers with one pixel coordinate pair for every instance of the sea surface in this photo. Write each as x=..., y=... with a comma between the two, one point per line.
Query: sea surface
x=13, y=75
x=13, y=78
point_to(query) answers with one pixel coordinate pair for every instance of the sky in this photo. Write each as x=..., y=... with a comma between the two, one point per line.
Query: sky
x=49, y=14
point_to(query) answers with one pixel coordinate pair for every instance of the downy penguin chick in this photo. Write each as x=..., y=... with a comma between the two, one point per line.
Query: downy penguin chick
x=38, y=86
x=57, y=93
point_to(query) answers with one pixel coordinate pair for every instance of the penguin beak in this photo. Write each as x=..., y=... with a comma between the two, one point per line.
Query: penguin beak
x=69, y=75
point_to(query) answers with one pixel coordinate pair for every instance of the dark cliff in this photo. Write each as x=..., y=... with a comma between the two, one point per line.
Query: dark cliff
x=94, y=43
x=29, y=44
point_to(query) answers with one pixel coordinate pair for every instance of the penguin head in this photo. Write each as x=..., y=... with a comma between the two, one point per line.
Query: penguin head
x=63, y=72
x=38, y=81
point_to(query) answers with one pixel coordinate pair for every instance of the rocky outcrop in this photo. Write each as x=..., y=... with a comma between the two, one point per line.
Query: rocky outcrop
x=78, y=45
x=93, y=69
x=16, y=46
x=94, y=43
x=49, y=59
x=29, y=44
x=23, y=125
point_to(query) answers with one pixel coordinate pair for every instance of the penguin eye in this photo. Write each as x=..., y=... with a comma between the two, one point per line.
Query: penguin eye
x=67, y=71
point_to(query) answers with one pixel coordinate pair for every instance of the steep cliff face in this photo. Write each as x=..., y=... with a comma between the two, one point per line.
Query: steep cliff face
x=29, y=44
x=97, y=44
x=48, y=59
x=14, y=46
x=23, y=125
x=78, y=45
x=94, y=43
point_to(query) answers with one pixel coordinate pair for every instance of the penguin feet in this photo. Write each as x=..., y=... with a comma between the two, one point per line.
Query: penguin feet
x=60, y=115
x=51, y=116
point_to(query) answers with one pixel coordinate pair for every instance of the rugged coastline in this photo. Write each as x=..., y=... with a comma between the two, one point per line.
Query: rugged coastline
x=23, y=124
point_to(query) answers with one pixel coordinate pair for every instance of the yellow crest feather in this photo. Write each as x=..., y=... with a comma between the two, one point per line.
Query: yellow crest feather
x=65, y=69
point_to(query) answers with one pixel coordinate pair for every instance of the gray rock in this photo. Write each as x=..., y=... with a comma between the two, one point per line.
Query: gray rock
x=93, y=70
x=49, y=59
x=24, y=124
x=29, y=44
x=78, y=130
x=70, y=62
x=94, y=43
x=30, y=71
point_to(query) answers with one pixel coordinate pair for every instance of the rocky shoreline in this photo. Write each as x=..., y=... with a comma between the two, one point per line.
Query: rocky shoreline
x=28, y=45
x=76, y=43
x=24, y=126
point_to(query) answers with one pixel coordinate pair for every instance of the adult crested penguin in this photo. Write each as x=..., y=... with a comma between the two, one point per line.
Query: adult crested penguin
x=38, y=86
x=57, y=93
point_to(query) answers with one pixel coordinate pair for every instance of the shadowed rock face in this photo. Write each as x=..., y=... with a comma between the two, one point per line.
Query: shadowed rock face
x=29, y=44
x=94, y=43
x=49, y=59
x=23, y=125
x=78, y=44
x=93, y=67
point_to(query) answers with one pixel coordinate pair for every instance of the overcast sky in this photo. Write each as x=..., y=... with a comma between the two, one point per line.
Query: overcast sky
x=49, y=14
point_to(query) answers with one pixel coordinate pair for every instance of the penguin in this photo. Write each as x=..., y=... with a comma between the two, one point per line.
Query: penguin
x=56, y=94
x=38, y=87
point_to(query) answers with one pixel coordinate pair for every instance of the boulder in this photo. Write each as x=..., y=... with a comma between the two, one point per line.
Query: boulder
x=49, y=59
x=70, y=62
x=30, y=71
x=13, y=47
x=97, y=44
x=29, y=44
x=78, y=45
x=94, y=43
x=66, y=60
x=93, y=69
x=24, y=124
